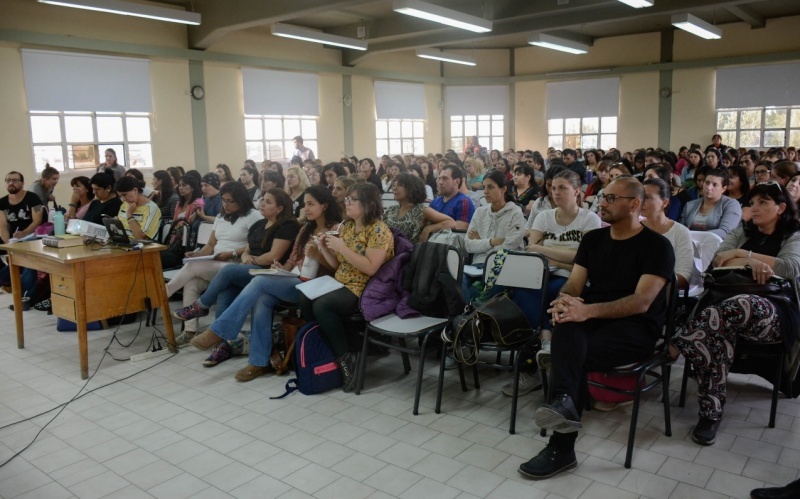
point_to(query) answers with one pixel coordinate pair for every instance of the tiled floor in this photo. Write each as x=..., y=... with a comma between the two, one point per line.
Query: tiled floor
x=182, y=430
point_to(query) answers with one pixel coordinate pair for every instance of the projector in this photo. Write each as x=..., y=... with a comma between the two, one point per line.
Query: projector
x=84, y=228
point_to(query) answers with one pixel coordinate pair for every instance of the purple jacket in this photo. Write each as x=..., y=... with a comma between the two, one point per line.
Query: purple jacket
x=384, y=293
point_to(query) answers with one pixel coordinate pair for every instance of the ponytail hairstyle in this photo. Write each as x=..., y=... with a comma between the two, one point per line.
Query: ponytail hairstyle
x=575, y=181
x=501, y=180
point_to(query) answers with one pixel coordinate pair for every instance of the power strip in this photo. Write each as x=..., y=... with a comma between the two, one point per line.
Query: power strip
x=150, y=355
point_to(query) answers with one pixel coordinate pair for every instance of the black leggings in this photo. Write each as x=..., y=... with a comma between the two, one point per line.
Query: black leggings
x=330, y=311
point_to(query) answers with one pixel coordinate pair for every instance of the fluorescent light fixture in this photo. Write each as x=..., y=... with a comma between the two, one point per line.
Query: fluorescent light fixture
x=310, y=35
x=696, y=26
x=638, y=4
x=131, y=9
x=446, y=57
x=441, y=15
x=556, y=43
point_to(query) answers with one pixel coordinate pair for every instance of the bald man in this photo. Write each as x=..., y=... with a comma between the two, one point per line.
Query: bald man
x=609, y=313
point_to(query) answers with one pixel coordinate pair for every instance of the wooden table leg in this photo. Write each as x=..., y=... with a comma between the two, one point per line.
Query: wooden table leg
x=162, y=300
x=79, y=276
x=16, y=287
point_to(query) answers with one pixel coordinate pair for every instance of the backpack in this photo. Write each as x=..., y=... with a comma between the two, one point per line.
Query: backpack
x=314, y=363
x=433, y=290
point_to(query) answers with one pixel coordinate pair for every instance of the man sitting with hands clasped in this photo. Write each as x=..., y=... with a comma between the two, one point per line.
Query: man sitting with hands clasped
x=609, y=313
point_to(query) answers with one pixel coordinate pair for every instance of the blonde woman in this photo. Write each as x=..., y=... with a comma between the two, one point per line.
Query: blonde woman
x=296, y=184
x=474, y=167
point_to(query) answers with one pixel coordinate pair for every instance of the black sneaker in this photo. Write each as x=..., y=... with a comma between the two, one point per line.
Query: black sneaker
x=560, y=416
x=705, y=432
x=791, y=491
x=549, y=462
x=347, y=366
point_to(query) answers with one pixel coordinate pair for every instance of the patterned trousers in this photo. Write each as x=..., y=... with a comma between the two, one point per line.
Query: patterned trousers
x=709, y=340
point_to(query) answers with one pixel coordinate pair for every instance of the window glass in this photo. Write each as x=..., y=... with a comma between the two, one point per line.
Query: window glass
x=253, y=130
x=45, y=129
x=138, y=129
x=109, y=128
x=590, y=125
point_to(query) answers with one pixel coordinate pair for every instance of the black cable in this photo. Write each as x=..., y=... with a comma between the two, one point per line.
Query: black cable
x=78, y=394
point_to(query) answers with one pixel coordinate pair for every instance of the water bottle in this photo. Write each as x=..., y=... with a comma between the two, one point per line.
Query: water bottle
x=58, y=223
x=309, y=269
x=589, y=177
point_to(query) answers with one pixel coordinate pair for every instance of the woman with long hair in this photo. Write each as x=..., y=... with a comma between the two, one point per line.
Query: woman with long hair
x=601, y=179
x=237, y=293
x=498, y=224
x=82, y=197
x=545, y=202
x=106, y=202
x=296, y=184
x=769, y=245
x=111, y=164
x=224, y=173
x=176, y=173
x=428, y=174
x=556, y=234
x=163, y=194
x=738, y=188
x=248, y=176
x=228, y=241
x=409, y=215
x=475, y=173
x=793, y=188
x=525, y=192
x=363, y=244
x=416, y=170
x=694, y=160
x=654, y=210
x=392, y=171
x=713, y=212
x=340, y=187
x=369, y=173
x=190, y=202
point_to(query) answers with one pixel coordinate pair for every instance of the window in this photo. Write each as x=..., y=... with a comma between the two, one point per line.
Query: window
x=584, y=133
x=759, y=127
x=270, y=137
x=76, y=141
x=488, y=128
x=400, y=137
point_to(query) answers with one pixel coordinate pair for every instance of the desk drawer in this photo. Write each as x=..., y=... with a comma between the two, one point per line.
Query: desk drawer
x=63, y=307
x=63, y=286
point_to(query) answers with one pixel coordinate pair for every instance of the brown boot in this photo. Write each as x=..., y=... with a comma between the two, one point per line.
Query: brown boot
x=205, y=340
x=250, y=372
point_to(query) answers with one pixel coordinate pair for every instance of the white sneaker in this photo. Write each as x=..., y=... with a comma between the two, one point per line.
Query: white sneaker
x=543, y=359
x=184, y=338
x=527, y=383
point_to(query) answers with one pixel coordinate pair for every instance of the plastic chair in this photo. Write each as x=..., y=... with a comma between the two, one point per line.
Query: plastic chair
x=520, y=270
x=417, y=329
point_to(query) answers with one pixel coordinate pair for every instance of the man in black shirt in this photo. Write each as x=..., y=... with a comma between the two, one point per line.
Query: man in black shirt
x=609, y=313
x=20, y=213
x=570, y=157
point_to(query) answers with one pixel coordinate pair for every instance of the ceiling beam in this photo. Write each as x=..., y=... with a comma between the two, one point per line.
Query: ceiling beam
x=747, y=14
x=221, y=18
x=572, y=18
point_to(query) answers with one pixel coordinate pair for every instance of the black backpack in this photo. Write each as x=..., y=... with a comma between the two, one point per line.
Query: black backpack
x=433, y=290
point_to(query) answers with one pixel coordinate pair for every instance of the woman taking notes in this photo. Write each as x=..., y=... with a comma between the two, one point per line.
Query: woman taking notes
x=363, y=244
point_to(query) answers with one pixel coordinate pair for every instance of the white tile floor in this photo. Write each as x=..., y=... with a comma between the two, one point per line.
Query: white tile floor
x=182, y=430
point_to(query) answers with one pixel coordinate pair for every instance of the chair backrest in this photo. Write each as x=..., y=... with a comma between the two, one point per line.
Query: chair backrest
x=672, y=306
x=165, y=228
x=204, y=233
x=454, y=263
x=520, y=270
x=386, y=203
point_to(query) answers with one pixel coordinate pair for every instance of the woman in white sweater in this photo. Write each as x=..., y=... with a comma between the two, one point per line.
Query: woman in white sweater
x=498, y=224
x=656, y=200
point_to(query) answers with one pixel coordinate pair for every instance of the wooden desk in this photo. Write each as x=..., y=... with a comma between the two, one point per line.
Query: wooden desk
x=91, y=285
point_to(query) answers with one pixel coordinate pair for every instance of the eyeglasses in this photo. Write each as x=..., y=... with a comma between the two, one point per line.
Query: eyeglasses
x=762, y=172
x=228, y=202
x=350, y=200
x=612, y=198
x=13, y=180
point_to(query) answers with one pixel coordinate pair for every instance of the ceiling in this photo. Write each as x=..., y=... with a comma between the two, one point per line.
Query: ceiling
x=514, y=20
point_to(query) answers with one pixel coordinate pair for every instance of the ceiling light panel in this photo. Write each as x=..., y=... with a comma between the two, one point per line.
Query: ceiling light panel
x=696, y=26
x=131, y=9
x=446, y=57
x=310, y=35
x=555, y=43
x=441, y=15
x=638, y=4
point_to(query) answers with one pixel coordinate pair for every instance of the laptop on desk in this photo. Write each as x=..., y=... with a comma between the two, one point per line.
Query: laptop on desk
x=118, y=236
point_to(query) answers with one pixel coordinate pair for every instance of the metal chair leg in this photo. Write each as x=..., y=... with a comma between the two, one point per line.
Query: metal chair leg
x=775, y=390
x=419, y=373
x=362, y=363
x=666, y=371
x=634, y=417
x=440, y=385
x=515, y=394
x=684, y=381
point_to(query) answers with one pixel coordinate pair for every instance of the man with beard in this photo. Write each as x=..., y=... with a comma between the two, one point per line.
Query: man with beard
x=609, y=313
x=20, y=213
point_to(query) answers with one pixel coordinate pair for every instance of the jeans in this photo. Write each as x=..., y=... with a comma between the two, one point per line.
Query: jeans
x=261, y=295
x=231, y=276
x=27, y=280
x=530, y=299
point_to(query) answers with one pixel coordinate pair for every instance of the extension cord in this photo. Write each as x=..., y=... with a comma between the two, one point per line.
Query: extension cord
x=149, y=355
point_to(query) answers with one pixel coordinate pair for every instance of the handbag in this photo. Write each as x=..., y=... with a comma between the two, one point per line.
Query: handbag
x=723, y=283
x=499, y=317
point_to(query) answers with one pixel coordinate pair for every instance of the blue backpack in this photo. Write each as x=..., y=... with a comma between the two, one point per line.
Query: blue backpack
x=314, y=363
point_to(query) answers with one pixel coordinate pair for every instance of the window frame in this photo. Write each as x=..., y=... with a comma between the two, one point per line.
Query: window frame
x=287, y=146
x=402, y=137
x=788, y=128
x=67, y=162
x=599, y=134
x=489, y=144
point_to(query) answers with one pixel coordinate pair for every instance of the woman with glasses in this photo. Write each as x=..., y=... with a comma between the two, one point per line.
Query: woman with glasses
x=228, y=241
x=362, y=244
x=770, y=245
x=601, y=179
x=713, y=212
x=762, y=171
